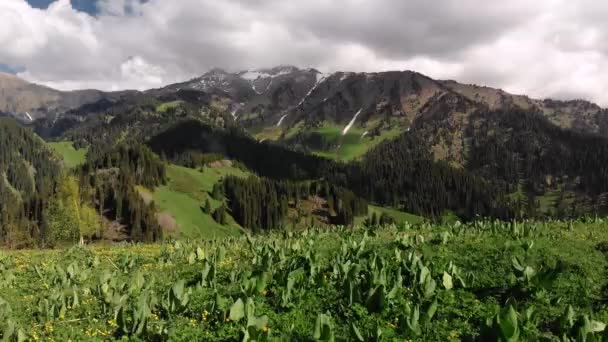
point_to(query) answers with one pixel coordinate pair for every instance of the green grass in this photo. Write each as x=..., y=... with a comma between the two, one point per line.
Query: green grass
x=465, y=273
x=397, y=215
x=71, y=156
x=184, y=195
x=548, y=201
x=163, y=107
x=267, y=134
x=353, y=144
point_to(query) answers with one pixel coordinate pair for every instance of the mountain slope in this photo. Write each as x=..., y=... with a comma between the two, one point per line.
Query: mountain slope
x=498, y=146
x=27, y=101
x=29, y=172
x=282, y=102
x=324, y=113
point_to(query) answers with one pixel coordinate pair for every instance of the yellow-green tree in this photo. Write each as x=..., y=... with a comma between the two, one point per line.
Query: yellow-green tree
x=68, y=219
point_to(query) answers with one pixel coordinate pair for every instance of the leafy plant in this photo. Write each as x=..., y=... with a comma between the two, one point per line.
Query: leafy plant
x=324, y=329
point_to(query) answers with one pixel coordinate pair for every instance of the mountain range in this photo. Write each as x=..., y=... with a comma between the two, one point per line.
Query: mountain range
x=341, y=143
x=316, y=111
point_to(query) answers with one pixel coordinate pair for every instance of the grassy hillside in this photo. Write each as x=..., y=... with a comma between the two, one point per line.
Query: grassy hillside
x=478, y=282
x=185, y=194
x=352, y=145
x=72, y=157
x=398, y=216
x=163, y=107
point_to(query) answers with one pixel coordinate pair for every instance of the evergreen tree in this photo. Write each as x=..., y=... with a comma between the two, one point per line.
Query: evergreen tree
x=219, y=215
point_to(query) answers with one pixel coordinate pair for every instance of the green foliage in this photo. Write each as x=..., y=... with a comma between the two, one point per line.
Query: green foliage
x=390, y=283
x=219, y=215
x=72, y=157
x=111, y=177
x=68, y=218
x=166, y=106
x=183, y=194
x=28, y=175
x=505, y=325
x=324, y=329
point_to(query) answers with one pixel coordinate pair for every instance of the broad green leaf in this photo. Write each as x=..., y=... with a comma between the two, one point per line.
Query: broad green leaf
x=508, y=325
x=447, y=281
x=430, y=312
x=596, y=326
x=237, y=310
x=356, y=333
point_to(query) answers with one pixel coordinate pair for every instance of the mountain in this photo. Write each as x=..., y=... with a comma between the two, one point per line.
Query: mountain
x=28, y=102
x=342, y=115
x=507, y=147
x=304, y=106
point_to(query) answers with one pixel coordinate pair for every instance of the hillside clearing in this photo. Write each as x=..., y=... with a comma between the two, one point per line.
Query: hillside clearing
x=72, y=157
x=184, y=196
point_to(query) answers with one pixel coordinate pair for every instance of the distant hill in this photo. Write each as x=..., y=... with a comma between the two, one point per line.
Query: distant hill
x=28, y=101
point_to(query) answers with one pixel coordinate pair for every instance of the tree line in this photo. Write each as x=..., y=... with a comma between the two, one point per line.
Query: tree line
x=262, y=203
x=399, y=173
x=113, y=175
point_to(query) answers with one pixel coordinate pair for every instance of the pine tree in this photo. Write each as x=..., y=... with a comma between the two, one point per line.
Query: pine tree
x=219, y=215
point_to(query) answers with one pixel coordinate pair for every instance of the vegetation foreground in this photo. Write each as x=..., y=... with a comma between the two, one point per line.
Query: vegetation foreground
x=484, y=281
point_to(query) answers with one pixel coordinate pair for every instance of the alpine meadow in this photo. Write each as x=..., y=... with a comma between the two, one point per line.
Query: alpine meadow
x=197, y=170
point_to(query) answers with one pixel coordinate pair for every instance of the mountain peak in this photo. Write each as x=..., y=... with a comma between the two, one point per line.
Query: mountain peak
x=215, y=72
x=284, y=69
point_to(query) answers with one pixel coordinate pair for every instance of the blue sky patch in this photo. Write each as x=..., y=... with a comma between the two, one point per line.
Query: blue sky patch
x=10, y=69
x=88, y=6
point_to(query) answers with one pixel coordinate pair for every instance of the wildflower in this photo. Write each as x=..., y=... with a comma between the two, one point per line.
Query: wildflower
x=265, y=328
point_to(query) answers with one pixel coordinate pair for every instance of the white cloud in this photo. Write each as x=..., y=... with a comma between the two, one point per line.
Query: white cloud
x=543, y=48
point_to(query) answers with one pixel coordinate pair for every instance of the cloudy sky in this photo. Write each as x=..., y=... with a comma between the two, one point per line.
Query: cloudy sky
x=544, y=48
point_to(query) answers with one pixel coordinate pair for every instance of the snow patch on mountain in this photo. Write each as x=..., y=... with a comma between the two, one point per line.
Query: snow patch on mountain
x=281, y=120
x=268, y=86
x=345, y=76
x=319, y=81
x=214, y=79
x=321, y=76
x=254, y=75
x=352, y=122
